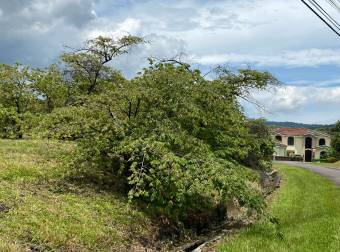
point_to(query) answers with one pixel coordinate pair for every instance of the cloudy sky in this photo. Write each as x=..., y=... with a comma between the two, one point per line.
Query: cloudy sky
x=281, y=36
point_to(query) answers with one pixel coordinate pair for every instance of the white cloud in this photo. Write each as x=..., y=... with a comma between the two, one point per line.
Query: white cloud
x=322, y=83
x=299, y=58
x=282, y=99
x=106, y=27
x=160, y=47
x=262, y=32
x=301, y=104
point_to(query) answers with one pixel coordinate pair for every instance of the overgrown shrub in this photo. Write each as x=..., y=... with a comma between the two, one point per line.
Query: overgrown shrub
x=173, y=140
x=146, y=169
x=329, y=160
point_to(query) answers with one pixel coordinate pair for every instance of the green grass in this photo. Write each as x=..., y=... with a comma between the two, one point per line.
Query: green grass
x=335, y=165
x=39, y=210
x=308, y=208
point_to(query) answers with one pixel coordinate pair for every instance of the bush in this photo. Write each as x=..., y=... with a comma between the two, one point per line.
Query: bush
x=329, y=160
x=67, y=123
x=174, y=141
x=176, y=185
x=10, y=123
x=296, y=158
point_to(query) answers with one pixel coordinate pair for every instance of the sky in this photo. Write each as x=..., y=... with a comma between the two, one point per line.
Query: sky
x=279, y=36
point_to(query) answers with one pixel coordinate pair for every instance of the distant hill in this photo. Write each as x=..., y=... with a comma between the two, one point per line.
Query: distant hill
x=299, y=125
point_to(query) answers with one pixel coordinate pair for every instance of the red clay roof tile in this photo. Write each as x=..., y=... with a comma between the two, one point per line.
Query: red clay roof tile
x=291, y=131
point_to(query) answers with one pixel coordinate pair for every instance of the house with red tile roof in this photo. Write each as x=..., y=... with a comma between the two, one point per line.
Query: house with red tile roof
x=305, y=143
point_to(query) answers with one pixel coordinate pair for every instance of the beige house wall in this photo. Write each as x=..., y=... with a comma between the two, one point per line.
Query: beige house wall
x=279, y=151
x=299, y=145
x=317, y=154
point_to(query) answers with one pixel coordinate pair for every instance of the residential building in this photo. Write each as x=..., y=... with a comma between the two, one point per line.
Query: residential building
x=309, y=144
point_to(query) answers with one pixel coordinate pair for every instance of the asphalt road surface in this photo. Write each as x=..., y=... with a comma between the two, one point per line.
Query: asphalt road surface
x=331, y=174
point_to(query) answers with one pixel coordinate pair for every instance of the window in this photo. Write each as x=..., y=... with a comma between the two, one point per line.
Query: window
x=322, y=142
x=278, y=138
x=308, y=143
x=291, y=141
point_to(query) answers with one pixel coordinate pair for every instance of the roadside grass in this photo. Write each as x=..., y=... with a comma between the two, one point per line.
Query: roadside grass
x=335, y=165
x=308, y=209
x=39, y=214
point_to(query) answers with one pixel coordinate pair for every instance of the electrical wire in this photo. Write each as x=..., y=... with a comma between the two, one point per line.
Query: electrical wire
x=329, y=18
x=323, y=17
x=334, y=4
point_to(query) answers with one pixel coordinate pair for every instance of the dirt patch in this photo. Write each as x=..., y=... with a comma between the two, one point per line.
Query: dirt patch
x=4, y=208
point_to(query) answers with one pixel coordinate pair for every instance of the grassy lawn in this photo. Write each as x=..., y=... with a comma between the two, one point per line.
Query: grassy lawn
x=39, y=213
x=308, y=208
x=335, y=165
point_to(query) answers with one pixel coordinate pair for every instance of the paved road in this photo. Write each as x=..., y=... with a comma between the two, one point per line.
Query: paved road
x=331, y=174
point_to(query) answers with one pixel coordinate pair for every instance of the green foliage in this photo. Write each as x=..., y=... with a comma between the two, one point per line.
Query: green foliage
x=330, y=160
x=336, y=139
x=173, y=140
x=66, y=123
x=15, y=88
x=169, y=137
x=50, y=88
x=9, y=123
x=260, y=154
x=326, y=128
x=16, y=99
x=87, y=65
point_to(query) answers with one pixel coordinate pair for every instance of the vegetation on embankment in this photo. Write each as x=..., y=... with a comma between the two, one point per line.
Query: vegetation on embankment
x=41, y=211
x=169, y=138
x=307, y=208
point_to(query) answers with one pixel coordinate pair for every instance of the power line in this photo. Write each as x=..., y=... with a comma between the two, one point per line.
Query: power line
x=320, y=9
x=336, y=30
x=326, y=17
x=334, y=4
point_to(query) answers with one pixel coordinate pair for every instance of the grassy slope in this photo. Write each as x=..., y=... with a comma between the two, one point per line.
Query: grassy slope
x=36, y=211
x=308, y=207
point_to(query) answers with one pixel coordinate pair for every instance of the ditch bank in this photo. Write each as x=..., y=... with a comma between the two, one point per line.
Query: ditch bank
x=205, y=235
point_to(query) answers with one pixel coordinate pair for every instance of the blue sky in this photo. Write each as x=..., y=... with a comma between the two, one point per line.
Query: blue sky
x=280, y=36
